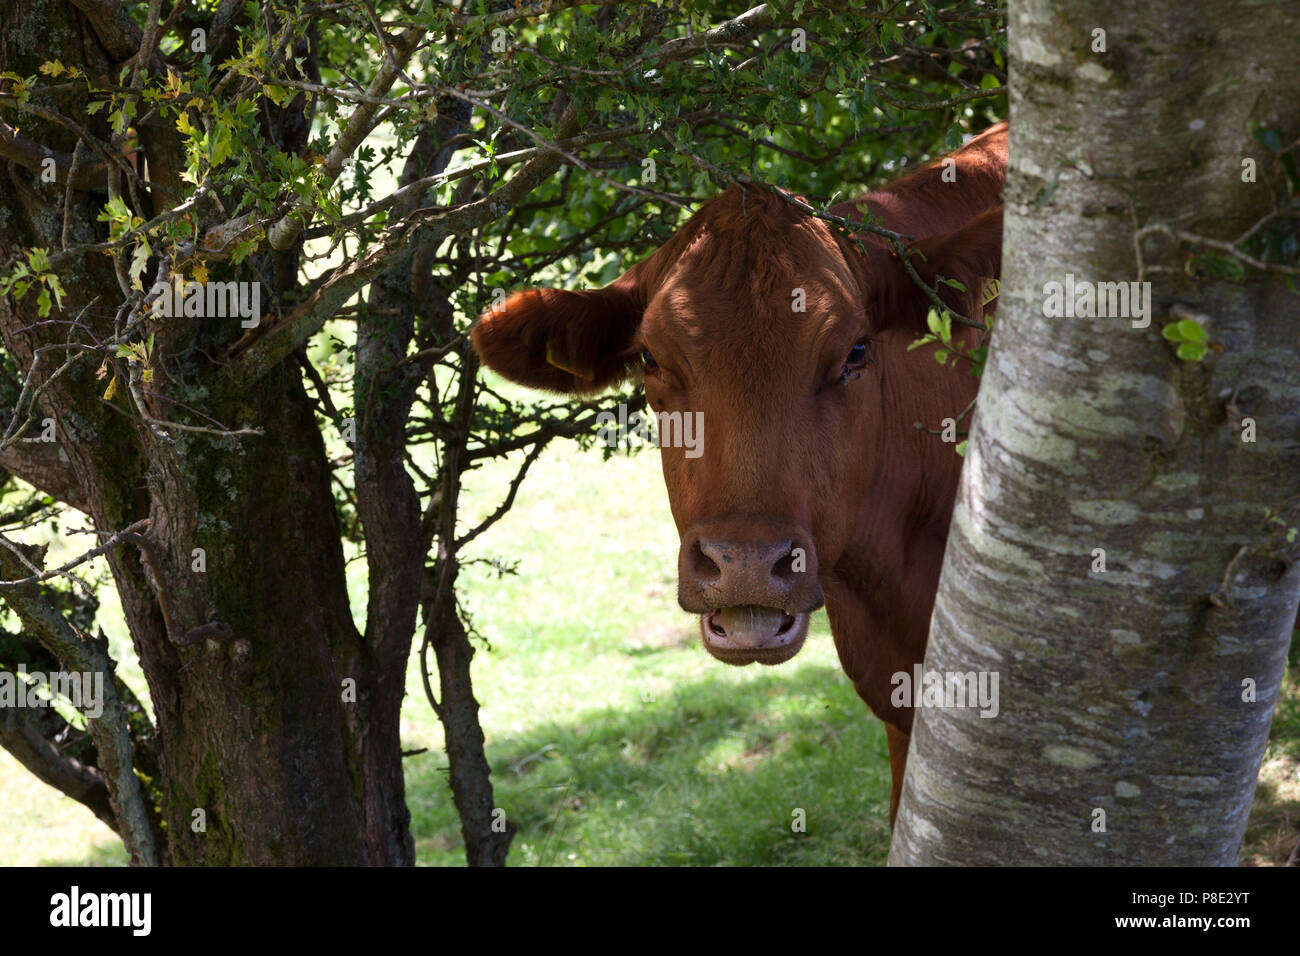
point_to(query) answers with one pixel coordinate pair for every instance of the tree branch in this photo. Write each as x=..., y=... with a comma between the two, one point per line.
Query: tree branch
x=252, y=356
x=29, y=154
x=44, y=466
x=110, y=544
x=68, y=775
x=111, y=730
x=284, y=232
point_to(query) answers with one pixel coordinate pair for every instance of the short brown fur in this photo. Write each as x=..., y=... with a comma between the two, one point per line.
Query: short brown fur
x=795, y=451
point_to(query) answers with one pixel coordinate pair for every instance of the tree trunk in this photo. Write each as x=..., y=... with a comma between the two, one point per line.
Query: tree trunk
x=483, y=825
x=246, y=644
x=1135, y=701
x=387, y=501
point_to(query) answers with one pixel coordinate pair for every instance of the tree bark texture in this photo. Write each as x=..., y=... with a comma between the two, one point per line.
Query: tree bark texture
x=245, y=651
x=1135, y=700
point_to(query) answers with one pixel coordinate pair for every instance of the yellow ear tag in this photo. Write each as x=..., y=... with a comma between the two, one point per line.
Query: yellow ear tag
x=991, y=289
x=553, y=359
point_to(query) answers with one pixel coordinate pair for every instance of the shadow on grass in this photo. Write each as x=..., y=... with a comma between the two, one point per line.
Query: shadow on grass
x=784, y=768
x=712, y=773
x=1273, y=834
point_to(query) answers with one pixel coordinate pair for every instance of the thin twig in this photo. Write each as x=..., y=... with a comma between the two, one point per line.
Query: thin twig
x=108, y=545
x=1228, y=247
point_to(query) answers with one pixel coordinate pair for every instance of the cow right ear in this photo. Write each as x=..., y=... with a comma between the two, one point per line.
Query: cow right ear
x=559, y=341
x=971, y=256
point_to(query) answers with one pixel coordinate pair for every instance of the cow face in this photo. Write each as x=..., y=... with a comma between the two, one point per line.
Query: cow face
x=786, y=350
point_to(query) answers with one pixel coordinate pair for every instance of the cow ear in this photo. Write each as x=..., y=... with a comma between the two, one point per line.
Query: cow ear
x=562, y=341
x=970, y=256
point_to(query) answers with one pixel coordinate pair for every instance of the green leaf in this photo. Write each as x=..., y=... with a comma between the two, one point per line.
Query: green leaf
x=1187, y=330
x=54, y=285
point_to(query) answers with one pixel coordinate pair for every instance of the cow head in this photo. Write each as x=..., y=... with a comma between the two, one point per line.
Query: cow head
x=790, y=349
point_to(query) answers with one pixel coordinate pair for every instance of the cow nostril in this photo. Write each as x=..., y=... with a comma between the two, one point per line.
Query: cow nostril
x=793, y=564
x=784, y=568
x=716, y=628
x=705, y=569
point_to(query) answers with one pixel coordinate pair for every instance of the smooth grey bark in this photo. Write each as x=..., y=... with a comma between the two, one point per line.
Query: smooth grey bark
x=1123, y=691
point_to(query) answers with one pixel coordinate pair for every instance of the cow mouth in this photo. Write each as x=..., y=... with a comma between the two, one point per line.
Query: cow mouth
x=751, y=634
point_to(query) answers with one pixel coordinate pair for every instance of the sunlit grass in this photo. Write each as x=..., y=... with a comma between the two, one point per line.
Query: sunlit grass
x=613, y=737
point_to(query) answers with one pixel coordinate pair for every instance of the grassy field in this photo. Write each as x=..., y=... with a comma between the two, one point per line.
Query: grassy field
x=613, y=737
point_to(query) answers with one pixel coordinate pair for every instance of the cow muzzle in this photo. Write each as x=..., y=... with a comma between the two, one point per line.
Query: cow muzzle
x=754, y=584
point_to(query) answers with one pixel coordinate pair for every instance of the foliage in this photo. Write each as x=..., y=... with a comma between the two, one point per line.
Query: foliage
x=381, y=172
x=1189, y=335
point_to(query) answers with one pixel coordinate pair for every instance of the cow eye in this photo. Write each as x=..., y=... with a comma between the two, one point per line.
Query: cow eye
x=856, y=360
x=648, y=360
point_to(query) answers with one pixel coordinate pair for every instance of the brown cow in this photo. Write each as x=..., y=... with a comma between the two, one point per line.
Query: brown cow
x=813, y=485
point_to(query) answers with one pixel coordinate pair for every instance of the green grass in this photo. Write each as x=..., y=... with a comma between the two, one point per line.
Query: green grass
x=1273, y=833
x=613, y=737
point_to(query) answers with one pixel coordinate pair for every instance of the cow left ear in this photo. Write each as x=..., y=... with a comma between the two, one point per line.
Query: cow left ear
x=560, y=341
x=971, y=256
